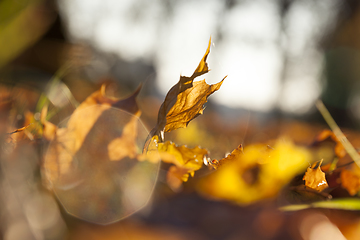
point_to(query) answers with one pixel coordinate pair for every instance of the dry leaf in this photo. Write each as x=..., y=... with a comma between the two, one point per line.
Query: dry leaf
x=186, y=160
x=185, y=100
x=233, y=156
x=315, y=178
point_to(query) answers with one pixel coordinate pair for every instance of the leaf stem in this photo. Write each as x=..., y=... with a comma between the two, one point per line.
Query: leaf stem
x=338, y=133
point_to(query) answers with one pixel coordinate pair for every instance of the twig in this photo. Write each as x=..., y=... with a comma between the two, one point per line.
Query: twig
x=20, y=129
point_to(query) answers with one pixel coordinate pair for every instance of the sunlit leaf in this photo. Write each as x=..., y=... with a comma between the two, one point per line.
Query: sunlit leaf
x=185, y=160
x=233, y=156
x=255, y=173
x=185, y=100
x=315, y=178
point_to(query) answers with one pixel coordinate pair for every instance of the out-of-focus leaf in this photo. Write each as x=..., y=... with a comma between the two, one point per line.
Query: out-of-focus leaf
x=344, y=204
x=339, y=148
x=256, y=173
x=176, y=176
x=49, y=129
x=315, y=178
x=129, y=104
x=125, y=145
x=233, y=156
x=350, y=179
x=93, y=158
x=185, y=100
x=67, y=141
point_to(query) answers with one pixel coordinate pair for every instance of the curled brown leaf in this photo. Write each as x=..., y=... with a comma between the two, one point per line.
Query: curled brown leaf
x=185, y=100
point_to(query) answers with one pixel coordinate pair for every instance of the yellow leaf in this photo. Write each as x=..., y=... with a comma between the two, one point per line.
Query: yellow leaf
x=186, y=160
x=233, y=156
x=255, y=173
x=315, y=178
x=185, y=100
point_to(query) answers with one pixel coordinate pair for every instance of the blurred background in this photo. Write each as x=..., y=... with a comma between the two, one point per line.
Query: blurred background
x=280, y=57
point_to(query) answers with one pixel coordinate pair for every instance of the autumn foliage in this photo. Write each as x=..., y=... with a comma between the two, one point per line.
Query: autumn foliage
x=104, y=137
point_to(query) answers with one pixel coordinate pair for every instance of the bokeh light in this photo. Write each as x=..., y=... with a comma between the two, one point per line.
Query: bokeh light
x=89, y=182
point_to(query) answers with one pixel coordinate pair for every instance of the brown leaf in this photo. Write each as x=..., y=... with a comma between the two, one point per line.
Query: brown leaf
x=315, y=178
x=185, y=100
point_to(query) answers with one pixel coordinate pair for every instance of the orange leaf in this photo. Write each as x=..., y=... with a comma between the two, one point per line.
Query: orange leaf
x=315, y=178
x=185, y=100
x=350, y=179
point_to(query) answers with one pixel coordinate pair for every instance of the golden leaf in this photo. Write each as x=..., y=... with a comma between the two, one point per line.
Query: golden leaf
x=255, y=173
x=315, y=178
x=233, y=156
x=185, y=100
x=185, y=160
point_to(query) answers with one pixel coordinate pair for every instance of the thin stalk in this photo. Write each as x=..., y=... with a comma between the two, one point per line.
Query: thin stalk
x=338, y=133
